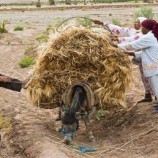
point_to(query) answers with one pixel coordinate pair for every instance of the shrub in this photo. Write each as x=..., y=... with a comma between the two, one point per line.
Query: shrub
x=18, y=28
x=50, y=27
x=116, y=21
x=26, y=61
x=5, y=123
x=3, y=27
x=42, y=38
x=58, y=21
x=101, y=114
x=38, y=4
x=144, y=11
x=85, y=22
x=51, y=2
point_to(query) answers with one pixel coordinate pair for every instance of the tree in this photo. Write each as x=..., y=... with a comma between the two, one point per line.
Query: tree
x=68, y=2
x=51, y=2
x=38, y=4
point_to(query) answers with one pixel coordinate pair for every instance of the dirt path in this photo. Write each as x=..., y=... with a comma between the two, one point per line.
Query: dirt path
x=120, y=135
x=32, y=129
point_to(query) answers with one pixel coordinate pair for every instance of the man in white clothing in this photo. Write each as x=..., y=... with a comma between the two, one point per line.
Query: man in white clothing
x=148, y=44
x=125, y=34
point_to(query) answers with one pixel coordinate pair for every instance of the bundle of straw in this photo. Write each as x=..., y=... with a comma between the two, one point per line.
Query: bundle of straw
x=80, y=55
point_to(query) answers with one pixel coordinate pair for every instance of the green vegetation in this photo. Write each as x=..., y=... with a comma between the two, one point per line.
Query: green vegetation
x=50, y=28
x=116, y=21
x=5, y=123
x=58, y=21
x=101, y=114
x=26, y=61
x=69, y=2
x=85, y=21
x=18, y=28
x=31, y=52
x=29, y=49
x=51, y=2
x=144, y=11
x=38, y=4
x=42, y=38
x=3, y=27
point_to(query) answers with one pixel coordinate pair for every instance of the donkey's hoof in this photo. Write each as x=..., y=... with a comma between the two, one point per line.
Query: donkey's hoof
x=66, y=141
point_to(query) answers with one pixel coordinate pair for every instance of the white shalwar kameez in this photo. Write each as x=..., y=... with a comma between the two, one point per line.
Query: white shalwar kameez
x=121, y=31
x=148, y=45
x=126, y=34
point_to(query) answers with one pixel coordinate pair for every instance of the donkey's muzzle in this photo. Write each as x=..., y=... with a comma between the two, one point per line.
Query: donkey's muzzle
x=67, y=140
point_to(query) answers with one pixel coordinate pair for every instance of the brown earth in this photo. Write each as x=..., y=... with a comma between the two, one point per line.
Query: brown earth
x=121, y=134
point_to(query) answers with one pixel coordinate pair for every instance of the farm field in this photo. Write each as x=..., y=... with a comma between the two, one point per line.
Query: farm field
x=130, y=134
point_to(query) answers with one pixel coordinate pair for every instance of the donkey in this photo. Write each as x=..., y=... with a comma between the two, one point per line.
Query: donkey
x=77, y=102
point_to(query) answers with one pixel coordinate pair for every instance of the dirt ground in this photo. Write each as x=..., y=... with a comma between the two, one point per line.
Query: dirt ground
x=122, y=134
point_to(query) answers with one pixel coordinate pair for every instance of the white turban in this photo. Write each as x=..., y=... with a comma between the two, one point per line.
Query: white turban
x=141, y=19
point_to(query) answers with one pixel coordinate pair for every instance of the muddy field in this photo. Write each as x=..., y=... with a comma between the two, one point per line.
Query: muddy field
x=123, y=134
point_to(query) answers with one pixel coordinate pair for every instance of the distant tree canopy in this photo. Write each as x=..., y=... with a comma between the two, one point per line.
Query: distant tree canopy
x=69, y=2
x=51, y=2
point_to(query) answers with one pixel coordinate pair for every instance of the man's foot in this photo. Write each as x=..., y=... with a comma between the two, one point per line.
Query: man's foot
x=148, y=98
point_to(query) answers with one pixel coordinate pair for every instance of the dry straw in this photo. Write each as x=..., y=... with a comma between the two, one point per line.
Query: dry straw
x=79, y=55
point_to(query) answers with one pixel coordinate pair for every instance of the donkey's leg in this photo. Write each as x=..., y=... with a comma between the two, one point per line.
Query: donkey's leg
x=88, y=127
x=91, y=114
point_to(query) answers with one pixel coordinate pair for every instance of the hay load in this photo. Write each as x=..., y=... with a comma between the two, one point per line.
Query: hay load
x=79, y=55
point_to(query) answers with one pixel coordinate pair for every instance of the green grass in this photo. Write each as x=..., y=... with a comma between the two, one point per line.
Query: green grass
x=26, y=61
x=101, y=114
x=116, y=21
x=58, y=21
x=50, y=28
x=29, y=49
x=85, y=21
x=51, y=2
x=38, y=4
x=145, y=12
x=18, y=28
x=5, y=123
x=42, y=38
x=3, y=27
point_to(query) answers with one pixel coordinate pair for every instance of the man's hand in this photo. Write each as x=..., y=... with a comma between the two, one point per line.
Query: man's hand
x=113, y=44
x=129, y=53
x=5, y=79
x=98, y=22
x=114, y=38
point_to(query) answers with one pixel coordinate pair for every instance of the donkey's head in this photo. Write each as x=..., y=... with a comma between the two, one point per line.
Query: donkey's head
x=70, y=125
x=69, y=116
